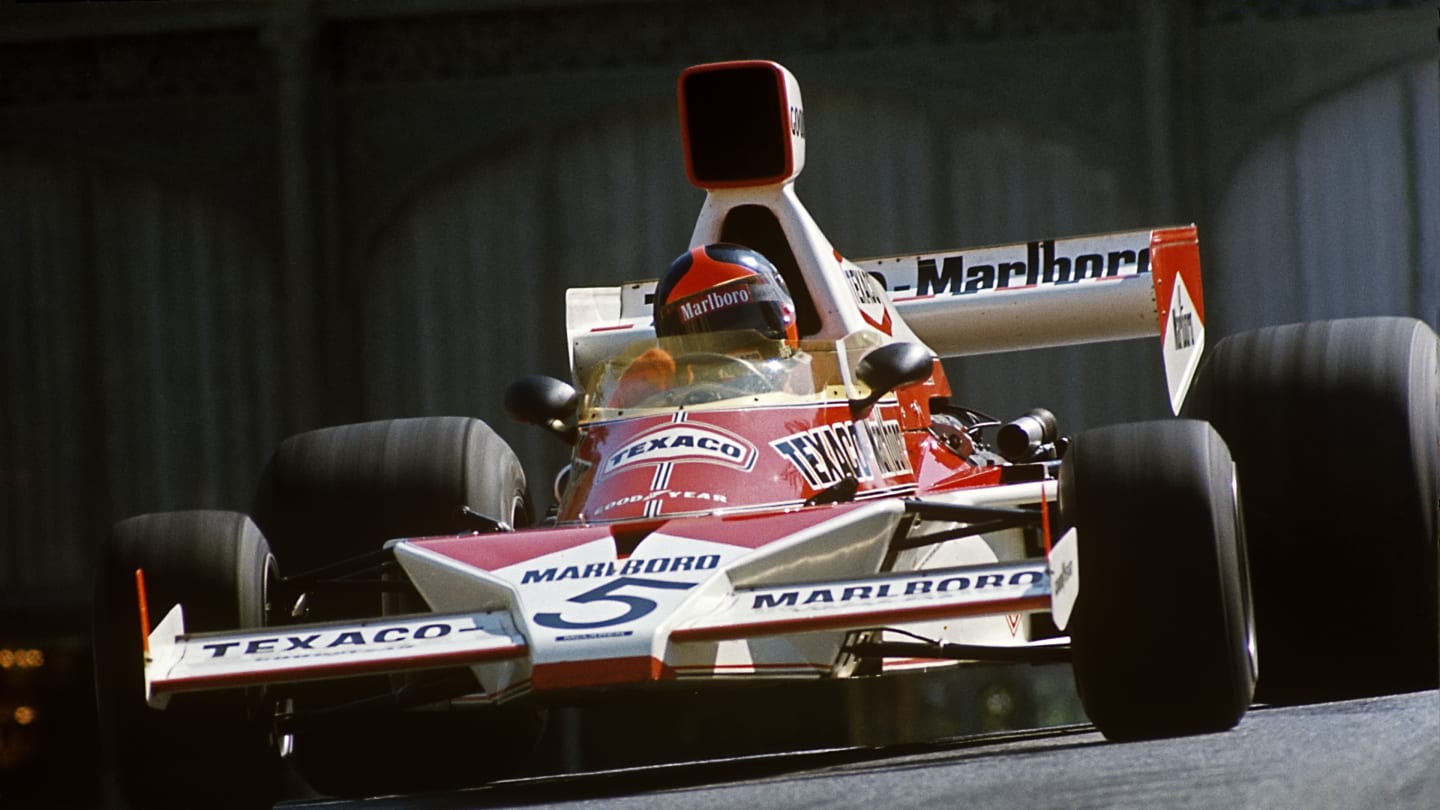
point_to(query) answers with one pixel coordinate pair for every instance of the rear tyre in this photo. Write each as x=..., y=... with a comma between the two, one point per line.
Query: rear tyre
x=1335, y=428
x=336, y=493
x=213, y=749
x=1162, y=632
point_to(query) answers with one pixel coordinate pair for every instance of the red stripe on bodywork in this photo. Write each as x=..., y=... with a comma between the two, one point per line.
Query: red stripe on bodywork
x=805, y=667
x=601, y=672
x=1175, y=253
x=754, y=531
x=144, y=611
x=489, y=552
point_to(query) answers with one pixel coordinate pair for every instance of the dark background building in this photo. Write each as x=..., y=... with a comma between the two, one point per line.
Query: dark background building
x=225, y=222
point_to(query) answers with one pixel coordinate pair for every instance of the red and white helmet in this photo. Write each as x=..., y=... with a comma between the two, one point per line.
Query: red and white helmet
x=723, y=287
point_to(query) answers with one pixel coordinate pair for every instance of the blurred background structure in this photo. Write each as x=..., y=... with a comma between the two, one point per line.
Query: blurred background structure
x=223, y=222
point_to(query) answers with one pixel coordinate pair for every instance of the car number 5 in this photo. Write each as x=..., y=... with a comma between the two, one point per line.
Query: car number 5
x=635, y=606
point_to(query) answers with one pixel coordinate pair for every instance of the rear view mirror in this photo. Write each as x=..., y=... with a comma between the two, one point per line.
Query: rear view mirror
x=545, y=402
x=889, y=367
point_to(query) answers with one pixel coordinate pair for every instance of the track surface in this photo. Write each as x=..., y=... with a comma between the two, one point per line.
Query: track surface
x=1379, y=752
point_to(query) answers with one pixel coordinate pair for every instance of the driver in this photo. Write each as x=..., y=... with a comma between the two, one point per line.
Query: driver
x=708, y=290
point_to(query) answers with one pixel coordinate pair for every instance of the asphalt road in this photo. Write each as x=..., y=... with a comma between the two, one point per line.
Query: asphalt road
x=1379, y=752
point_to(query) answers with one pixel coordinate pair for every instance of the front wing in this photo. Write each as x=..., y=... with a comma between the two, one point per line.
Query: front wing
x=180, y=662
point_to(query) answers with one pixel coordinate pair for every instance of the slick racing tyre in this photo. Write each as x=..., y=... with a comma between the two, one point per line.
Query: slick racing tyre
x=1335, y=428
x=1162, y=632
x=204, y=749
x=340, y=492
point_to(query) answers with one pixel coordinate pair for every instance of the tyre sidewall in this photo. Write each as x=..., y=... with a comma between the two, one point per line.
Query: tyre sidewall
x=1161, y=633
x=215, y=564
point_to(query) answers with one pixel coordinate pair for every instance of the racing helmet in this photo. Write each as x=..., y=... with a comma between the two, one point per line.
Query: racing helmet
x=722, y=287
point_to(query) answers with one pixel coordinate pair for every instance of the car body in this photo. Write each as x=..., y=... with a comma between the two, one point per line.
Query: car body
x=725, y=530
x=758, y=511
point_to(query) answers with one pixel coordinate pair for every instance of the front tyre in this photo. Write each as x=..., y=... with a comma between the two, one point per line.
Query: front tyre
x=338, y=492
x=208, y=749
x=1162, y=631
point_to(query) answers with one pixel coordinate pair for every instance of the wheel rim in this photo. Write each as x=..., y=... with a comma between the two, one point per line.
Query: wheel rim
x=1242, y=559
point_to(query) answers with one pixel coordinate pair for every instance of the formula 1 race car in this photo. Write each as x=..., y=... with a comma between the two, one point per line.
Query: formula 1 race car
x=770, y=480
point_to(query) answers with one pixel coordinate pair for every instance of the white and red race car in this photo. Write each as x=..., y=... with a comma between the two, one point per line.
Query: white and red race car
x=820, y=512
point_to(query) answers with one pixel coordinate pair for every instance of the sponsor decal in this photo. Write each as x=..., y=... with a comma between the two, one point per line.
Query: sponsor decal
x=1062, y=579
x=591, y=636
x=663, y=495
x=840, y=594
x=313, y=643
x=869, y=296
x=680, y=442
x=1065, y=575
x=1182, y=334
x=622, y=568
x=1182, y=325
x=713, y=302
x=1040, y=264
x=827, y=454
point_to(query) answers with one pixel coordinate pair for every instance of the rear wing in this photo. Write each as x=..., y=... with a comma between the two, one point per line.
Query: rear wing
x=1031, y=295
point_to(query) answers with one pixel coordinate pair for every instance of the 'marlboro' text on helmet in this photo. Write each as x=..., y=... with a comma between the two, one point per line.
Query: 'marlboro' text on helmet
x=721, y=287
